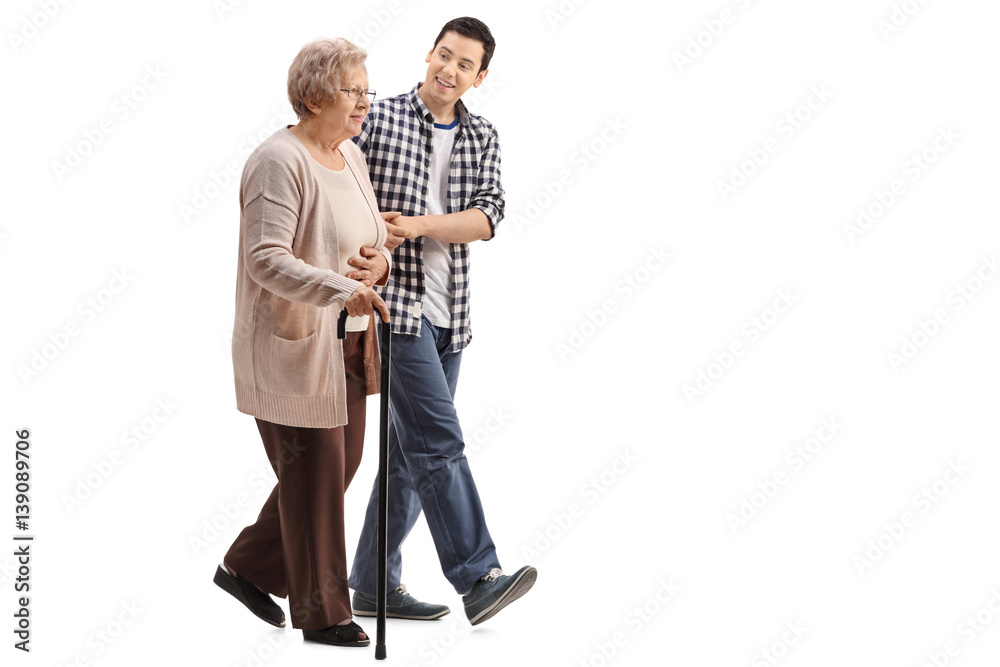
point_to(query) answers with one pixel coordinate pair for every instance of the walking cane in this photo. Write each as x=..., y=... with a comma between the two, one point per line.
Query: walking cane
x=383, y=477
x=383, y=490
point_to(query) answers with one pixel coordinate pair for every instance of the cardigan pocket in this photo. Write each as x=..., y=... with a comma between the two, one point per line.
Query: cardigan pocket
x=293, y=368
x=296, y=340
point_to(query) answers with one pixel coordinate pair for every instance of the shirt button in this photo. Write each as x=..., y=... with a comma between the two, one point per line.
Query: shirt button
x=424, y=191
x=427, y=163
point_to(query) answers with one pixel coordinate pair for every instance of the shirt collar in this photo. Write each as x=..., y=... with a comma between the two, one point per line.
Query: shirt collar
x=423, y=112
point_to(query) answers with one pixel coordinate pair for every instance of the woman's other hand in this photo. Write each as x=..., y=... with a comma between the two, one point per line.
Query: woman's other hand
x=372, y=266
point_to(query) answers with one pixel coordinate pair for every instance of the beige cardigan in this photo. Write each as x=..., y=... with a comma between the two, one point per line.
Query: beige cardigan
x=287, y=360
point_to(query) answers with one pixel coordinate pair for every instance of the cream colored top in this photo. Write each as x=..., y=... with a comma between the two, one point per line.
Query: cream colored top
x=356, y=224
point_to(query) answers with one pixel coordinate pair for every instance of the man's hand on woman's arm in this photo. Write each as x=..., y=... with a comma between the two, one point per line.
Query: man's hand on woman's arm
x=396, y=234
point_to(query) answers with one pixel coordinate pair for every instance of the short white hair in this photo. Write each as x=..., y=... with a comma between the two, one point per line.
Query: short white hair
x=317, y=72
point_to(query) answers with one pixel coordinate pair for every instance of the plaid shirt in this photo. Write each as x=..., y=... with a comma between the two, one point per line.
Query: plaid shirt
x=396, y=138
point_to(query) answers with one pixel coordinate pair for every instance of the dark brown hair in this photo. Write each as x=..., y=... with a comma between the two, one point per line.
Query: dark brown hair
x=473, y=29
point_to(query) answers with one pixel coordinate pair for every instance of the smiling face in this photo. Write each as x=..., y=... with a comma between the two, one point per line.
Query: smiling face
x=340, y=118
x=452, y=68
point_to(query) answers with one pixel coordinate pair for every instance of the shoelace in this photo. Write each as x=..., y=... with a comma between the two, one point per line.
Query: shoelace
x=493, y=575
x=401, y=589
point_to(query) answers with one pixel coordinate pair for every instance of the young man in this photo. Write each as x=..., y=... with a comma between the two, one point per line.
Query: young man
x=436, y=168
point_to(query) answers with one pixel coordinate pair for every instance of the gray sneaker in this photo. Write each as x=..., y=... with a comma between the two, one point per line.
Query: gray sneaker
x=398, y=604
x=495, y=591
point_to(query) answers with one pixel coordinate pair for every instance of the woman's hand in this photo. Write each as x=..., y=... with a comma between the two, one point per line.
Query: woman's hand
x=372, y=265
x=364, y=301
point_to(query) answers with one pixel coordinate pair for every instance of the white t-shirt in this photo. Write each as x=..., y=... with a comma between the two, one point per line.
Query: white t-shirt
x=437, y=254
x=356, y=224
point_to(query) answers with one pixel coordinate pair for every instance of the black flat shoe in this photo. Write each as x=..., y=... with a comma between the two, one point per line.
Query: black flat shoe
x=254, y=599
x=338, y=635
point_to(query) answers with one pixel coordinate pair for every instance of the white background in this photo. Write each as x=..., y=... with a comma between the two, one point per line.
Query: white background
x=583, y=369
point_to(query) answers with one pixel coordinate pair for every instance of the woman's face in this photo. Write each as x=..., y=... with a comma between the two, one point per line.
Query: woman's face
x=340, y=118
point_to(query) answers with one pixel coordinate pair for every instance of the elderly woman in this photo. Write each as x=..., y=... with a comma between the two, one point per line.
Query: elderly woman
x=311, y=244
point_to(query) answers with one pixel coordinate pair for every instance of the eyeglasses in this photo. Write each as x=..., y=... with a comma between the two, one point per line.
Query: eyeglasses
x=355, y=93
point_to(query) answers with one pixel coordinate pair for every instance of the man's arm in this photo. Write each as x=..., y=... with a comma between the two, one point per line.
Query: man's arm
x=476, y=223
x=462, y=227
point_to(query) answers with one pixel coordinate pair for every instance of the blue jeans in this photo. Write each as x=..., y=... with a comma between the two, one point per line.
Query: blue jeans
x=427, y=469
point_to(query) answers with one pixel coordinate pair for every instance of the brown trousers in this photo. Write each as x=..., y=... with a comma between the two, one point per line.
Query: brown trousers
x=296, y=549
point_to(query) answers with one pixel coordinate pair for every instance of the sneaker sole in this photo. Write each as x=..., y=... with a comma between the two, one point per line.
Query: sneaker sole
x=517, y=589
x=390, y=614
